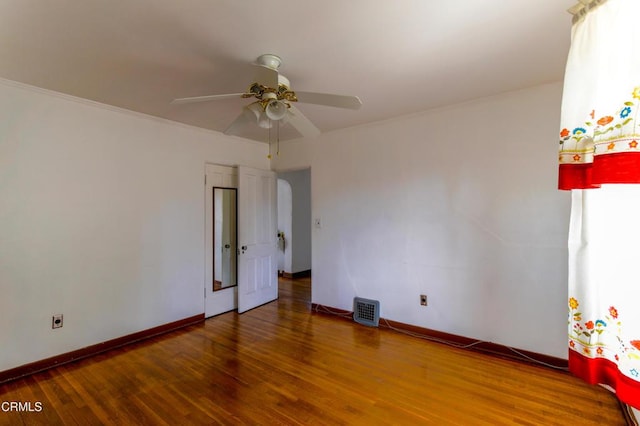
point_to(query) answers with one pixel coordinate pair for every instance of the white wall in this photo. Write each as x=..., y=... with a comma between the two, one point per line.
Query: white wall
x=101, y=219
x=458, y=203
x=300, y=237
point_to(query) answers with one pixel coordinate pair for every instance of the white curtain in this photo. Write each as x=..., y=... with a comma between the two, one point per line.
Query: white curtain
x=600, y=162
x=604, y=288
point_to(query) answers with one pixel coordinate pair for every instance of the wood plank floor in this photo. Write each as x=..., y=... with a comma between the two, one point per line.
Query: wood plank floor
x=281, y=364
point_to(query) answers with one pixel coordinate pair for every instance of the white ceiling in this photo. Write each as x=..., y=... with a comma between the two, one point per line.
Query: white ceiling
x=399, y=57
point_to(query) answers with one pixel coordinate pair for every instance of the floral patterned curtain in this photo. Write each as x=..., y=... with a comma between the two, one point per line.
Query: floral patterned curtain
x=600, y=148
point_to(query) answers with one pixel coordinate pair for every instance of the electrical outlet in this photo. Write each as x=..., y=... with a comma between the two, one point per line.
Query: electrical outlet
x=56, y=321
x=423, y=299
x=317, y=223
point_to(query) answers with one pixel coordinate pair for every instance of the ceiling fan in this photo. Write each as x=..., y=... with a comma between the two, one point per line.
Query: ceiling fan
x=274, y=104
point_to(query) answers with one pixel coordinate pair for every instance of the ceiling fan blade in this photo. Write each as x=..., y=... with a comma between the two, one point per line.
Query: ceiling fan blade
x=302, y=123
x=339, y=101
x=206, y=98
x=245, y=118
x=266, y=76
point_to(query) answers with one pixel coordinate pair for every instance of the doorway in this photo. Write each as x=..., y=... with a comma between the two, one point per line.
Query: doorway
x=285, y=218
x=294, y=223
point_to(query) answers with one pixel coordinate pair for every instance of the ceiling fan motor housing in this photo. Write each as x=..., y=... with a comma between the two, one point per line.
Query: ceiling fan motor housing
x=269, y=60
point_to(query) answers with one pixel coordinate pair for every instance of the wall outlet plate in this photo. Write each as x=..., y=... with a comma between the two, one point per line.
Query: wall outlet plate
x=423, y=299
x=56, y=321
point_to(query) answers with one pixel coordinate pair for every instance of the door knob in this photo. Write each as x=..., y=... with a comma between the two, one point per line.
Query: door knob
x=244, y=248
x=227, y=246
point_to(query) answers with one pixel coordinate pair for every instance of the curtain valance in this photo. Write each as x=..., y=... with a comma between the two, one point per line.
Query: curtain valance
x=600, y=122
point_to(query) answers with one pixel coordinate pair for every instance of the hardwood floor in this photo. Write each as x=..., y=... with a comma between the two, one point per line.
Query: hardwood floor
x=281, y=364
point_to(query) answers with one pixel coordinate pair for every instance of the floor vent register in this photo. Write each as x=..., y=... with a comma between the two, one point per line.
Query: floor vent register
x=366, y=311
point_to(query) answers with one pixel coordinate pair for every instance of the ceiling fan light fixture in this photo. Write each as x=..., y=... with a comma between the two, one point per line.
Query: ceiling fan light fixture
x=264, y=122
x=276, y=110
x=256, y=109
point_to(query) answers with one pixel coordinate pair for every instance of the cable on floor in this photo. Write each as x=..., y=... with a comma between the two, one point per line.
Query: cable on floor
x=320, y=308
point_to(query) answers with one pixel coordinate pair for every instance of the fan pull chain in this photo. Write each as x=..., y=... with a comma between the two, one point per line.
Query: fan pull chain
x=269, y=141
x=277, y=138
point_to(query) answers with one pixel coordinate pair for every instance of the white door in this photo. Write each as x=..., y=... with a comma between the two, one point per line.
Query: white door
x=257, y=232
x=225, y=299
